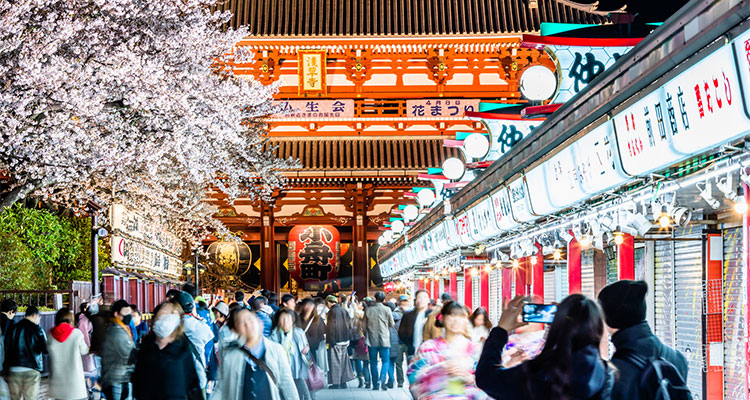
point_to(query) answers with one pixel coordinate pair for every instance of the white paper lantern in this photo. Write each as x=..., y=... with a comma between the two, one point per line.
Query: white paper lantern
x=397, y=226
x=382, y=241
x=453, y=168
x=538, y=83
x=388, y=235
x=411, y=212
x=476, y=145
x=426, y=197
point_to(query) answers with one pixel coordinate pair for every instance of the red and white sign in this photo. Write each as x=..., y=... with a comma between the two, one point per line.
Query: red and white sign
x=314, y=253
x=693, y=112
x=742, y=52
x=482, y=221
x=501, y=206
x=519, y=201
x=462, y=228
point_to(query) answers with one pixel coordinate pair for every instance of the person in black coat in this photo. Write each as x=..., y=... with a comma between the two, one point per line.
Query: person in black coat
x=164, y=367
x=412, y=323
x=25, y=343
x=569, y=367
x=624, y=305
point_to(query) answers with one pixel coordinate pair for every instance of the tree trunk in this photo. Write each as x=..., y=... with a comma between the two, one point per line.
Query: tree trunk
x=19, y=192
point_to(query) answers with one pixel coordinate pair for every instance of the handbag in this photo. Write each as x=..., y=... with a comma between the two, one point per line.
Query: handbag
x=361, y=346
x=315, y=380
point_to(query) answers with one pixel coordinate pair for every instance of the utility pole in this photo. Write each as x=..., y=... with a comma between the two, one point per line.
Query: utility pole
x=197, y=269
x=93, y=209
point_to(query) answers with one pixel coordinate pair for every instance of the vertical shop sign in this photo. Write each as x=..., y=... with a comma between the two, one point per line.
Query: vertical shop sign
x=312, y=72
x=462, y=228
x=537, y=188
x=482, y=221
x=519, y=201
x=742, y=53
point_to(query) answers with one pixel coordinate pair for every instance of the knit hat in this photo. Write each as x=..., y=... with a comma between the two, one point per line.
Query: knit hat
x=403, y=297
x=332, y=299
x=222, y=308
x=186, y=302
x=624, y=303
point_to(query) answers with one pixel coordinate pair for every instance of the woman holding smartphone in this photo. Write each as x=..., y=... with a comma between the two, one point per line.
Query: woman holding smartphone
x=570, y=365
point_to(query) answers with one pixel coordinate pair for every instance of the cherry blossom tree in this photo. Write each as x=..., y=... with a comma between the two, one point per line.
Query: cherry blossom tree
x=134, y=102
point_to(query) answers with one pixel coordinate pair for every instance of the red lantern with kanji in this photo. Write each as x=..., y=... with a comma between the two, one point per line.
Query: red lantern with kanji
x=389, y=287
x=314, y=253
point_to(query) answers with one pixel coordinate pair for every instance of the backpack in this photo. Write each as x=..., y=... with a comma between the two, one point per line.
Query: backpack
x=659, y=379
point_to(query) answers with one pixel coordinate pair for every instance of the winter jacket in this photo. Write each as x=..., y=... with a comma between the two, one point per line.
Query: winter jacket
x=25, y=343
x=116, y=355
x=430, y=330
x=338, y=329
x=199, y=334
x=168, y=373
x=393, y=333
x=84, y=325
x=593, y=379
x=640, y=340
x=265, y=318
x=378, y=319
x=66, y=346
x=315, y=333
x=5, y=324
x=232, y=371
x=297, y=360
x=99, y=326
x=406, y=330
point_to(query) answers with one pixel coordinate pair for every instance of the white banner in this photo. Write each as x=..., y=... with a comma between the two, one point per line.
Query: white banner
x=506, y=133
x=440, y=107
x=502, y=207
x=482, y=221
x=134, y=254
x=693, y=112
x=343, y=108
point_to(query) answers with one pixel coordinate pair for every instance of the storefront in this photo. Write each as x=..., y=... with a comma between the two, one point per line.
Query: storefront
x=643, y=175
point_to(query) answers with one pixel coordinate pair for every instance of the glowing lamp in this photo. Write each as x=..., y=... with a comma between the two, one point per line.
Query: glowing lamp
x=453, y=168
x=411, y=212
x=397, y=226
x=476, y=145
x=425, y=197
x=537, y=83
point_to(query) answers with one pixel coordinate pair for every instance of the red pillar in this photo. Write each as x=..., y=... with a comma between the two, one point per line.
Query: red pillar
x=506, y=293
x=468, y=290
x=436, y=288
x=484, y=288
x=746, y=251
x=453, y=288
x=521, y=276
x=420, y=284
x=428, y=288
x=537, y=275
x=626, y=258
x=574, y=267
x=714, y=326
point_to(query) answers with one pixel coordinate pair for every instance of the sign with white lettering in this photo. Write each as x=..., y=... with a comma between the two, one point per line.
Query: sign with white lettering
x=538, y=189
x=462, y=228
x=440, y=107
x=691, y=113
x=307, y=109
x=742, y=51
x=501, y=206
x=449, y=225
x=577, y=66
x=134, y=254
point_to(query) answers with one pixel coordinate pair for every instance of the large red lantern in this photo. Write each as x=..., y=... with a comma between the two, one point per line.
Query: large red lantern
x=314, y=253
x=389, y=287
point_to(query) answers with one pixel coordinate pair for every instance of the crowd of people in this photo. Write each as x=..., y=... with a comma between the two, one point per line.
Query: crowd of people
x=255, y=349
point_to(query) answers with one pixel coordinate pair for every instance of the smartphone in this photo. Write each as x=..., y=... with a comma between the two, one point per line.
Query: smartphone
x=353, y=293
x=539, y=313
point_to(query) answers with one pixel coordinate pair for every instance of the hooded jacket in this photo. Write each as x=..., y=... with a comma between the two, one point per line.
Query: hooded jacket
x=592, y=379
x=25, y=343
x=640, y=340
x=168, y=373
x=66, y=346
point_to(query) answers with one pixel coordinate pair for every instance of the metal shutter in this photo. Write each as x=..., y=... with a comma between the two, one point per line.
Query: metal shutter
x=640, y=263
x=475, y=287
x=688, y=290
x=664, y=292
x=612, y=269
x=460, y=296
x=735, y=301
x=496, y=277
x=561, y=282
x=587, y=273
x=549, y=286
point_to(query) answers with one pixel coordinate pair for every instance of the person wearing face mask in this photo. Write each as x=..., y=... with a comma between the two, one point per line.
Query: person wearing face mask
x=116, y=353
x=164, y=366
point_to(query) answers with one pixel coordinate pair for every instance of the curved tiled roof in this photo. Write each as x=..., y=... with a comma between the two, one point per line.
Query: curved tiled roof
x=399, y=17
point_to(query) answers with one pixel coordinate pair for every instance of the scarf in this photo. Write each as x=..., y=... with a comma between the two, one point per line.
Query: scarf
x=62, y=332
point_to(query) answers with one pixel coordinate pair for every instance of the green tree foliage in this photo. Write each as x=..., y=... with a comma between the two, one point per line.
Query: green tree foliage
x=42, y=250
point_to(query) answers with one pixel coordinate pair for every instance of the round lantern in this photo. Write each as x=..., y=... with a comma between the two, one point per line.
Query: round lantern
x=231, y=257
x=426, y=197
x=538, y=83
x=453, y=168
x=411, y=212
x=476, y=145
x=398, y=226
x=314, y=253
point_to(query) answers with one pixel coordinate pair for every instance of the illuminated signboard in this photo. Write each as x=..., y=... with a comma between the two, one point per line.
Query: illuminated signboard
x=506, y=133
x=502, y=207
x=519, y=201
x=440, y=107
x=577, y=66
x=538, y=196
x=462, y=228
x=343, y=108
x=691, y=113
x=482, y=221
